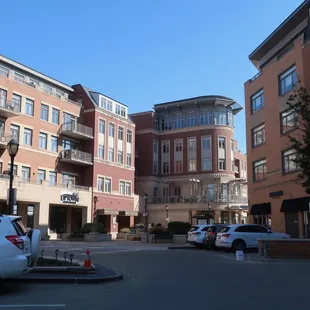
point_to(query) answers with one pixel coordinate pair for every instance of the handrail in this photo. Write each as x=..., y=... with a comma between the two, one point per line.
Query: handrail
x=77, y=127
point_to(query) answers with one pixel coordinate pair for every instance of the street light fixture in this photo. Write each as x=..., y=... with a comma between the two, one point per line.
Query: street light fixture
x=95, y=209
x=146, y=197
x=12, y=148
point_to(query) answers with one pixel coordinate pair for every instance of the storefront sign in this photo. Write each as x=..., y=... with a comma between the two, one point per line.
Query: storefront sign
x=72, y=197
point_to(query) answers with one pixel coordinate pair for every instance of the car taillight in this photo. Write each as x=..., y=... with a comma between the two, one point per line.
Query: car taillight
x=212, y=233
x=226, y=235
x=196, y=233
x=16, y=240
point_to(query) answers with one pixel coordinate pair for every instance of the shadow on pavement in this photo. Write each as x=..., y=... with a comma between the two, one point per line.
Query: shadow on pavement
x=10, y=288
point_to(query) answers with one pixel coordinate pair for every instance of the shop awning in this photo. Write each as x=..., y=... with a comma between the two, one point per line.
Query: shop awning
x=295, y=205
x=261, y=209
x=107, y=212
x=128, y=213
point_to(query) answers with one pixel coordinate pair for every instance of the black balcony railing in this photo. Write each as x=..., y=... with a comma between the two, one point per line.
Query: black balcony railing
x=76, y=155
x=199, y=199
x=77, y=128
x=9, y=105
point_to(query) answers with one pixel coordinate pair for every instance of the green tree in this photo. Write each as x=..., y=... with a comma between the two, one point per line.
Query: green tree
x=299, y=101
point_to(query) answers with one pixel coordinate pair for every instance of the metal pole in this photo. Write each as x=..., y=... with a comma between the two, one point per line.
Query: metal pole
x=11, y=186
x=145, y=217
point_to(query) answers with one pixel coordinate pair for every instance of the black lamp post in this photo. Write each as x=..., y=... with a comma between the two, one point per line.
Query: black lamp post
x=12, y=148
x=209, y=209
x=146, y=224
x=95, y=209
x=167, y=216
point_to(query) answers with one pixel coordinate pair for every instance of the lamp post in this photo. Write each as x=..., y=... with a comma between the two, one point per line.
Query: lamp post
x=209, y=209
x=95, y=209
x=12, y=148
x=167, y=216
x=146, y=224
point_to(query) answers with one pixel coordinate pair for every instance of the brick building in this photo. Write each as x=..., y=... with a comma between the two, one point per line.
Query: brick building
x=188, y=163
x=284, y=57
x=59, y=129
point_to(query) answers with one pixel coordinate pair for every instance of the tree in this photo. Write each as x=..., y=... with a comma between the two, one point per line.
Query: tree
x=299, y=102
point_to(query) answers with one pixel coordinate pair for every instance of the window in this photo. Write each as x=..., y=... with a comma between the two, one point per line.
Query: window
x=166, y=123
x=47, y=89
x=179, y=121
x=259, y=170
x=289, y=121
x=221, y=118
x=155, y=156
x=27, y=136
x=257, y=101
x=43, y=141
x=206, y=118
x=44, y=112
x=117, y=109
x=128, y=189
x=67, y=118
x=54, y=144
x=14, y=169
x=232, y=148
x=52, y=178
x=166, y=167
x=101, y=151
x=222, y=164
x=101, y=126
x=166, y=147
x=222, y=143
x=178, y=144
x=155, y=147
x=25, y=174
x=230, y=118
x=178, y=166
x=107, y=185
x=111, y=154
x=34, y=82
x=129, y=136
x=258, y=135
x=100, y=183
x=4, y=71
x=192, y=165
x=67, y=180
x=19, y=77
x=122, y=187
x=3, y=95
x=191, y=120
x=123, y=111
x=191, y=144
x=41, y=176
x=288, y=161
x=30, y=216
x=120, y=133
x=206, y=143
x=29, y=107
x=128, y=159
x=111, y=130
x=120, y=157
x=55, y=116
x=109, y=105
x=206, y=164
x=15, y=132
x=17, y=102
x=287, y=81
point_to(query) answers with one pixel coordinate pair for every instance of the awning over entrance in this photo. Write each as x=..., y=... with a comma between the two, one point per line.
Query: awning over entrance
x=295, y=205
x=261, y=209
x=203, y=215
x=107, y=212
x=128, y=213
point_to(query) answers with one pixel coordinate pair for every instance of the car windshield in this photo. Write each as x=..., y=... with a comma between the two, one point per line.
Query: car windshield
x=193, y=228
x=224, y=229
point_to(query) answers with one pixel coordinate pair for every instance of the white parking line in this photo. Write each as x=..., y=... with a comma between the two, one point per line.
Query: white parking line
x=34, y=306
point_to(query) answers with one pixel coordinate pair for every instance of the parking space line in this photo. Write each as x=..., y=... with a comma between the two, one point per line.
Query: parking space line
x=34, y=306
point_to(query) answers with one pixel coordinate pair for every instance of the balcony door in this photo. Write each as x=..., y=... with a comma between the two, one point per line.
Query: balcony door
x=3, y=95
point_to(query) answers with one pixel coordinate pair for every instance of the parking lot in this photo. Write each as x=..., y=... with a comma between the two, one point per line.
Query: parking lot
x=174, y=279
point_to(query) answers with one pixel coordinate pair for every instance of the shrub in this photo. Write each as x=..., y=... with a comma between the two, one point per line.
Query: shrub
x=179, y=228
x=125, y=230
x=94, y=227
x=157, y=230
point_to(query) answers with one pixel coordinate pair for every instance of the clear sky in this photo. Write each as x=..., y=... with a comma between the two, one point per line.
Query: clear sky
x=143, y=52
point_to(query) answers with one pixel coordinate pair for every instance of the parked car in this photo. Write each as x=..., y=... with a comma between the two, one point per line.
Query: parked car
x=19, y=248
x=211, y=234
x=196, y=235
x=243, y=236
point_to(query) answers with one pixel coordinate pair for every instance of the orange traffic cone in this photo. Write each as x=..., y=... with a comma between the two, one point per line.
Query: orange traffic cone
x=87, y=261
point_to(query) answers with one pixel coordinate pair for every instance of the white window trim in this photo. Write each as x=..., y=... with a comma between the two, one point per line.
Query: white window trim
x=162, y=156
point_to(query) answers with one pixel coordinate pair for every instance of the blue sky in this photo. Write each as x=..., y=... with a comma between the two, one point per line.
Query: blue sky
x=143, y=52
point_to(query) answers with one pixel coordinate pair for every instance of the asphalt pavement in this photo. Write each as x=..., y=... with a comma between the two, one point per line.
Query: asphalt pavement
x=173, y=279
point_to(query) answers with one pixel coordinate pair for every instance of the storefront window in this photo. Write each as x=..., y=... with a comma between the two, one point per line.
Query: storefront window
x=225, y=217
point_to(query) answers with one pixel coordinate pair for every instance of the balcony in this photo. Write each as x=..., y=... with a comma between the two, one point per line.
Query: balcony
x=76, y=131
x=5, y=137
x=75, y=157
x=229, y=199
x=8, y=108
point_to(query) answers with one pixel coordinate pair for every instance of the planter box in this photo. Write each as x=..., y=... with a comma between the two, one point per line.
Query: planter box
x=122, y=236
x=180, y=239
x=146, y=238
x=95, y=237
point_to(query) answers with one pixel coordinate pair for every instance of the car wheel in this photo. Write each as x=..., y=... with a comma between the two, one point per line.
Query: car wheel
x=35, y=240
x=238, y=245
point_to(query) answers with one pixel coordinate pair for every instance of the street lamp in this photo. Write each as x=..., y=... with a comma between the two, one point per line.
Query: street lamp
x=167, y=215
x=209, y=208
x=95, y=209
x=12, y=148
x=146, y=197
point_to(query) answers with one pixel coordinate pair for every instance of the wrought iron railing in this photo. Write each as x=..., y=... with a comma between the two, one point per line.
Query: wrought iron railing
x=199, y=199
x=9, y=105
x=76, y=155
x=76, y=127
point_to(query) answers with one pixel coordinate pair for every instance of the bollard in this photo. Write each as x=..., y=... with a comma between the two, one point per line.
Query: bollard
x=239, y=255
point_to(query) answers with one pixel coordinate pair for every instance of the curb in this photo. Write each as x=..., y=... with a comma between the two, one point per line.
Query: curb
x=115, y=276
x=181, y=248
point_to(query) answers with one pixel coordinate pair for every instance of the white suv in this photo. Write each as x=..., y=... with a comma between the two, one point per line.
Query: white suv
x=19, y=249
x=242, y=236
x=197, y=234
